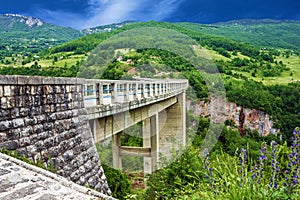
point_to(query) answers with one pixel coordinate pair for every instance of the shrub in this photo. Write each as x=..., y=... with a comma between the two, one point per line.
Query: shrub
x=118, y=182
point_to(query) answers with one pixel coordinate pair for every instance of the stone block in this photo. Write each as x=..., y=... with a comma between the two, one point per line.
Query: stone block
x=8, y=80
x=40, y=145
x=49, y=81
x=25, y=132
x=1, y=91
x=75, y=176
x=3, y=137
x=30, y=121
x=24, y=112
x=7, y=91
x=24, y=142
x=10, y=102
x=68, y=156
x=13, y=134
x=38, y=128
x=33, y=138
x=53, y=152
x=29, y=80
x=10, y=145
x=4, y=114
x=3, y=102
x=42, y=136
x=5, y=125
x=17, y=123
x=14, y=113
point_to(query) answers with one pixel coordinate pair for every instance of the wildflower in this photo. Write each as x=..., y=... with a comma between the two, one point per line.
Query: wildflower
x=243, y=162
x=208, y=169
x=292, y=179
x=258, y=169
x=274, y=165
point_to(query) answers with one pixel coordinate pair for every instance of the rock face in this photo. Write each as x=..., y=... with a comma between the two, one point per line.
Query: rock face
x=241, y=117
x=29, y=21
x=45, y=120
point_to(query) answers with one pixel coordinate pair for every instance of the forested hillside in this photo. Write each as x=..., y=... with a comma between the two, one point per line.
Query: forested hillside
x=254, y=76
x=21, y=34
x=263, y=33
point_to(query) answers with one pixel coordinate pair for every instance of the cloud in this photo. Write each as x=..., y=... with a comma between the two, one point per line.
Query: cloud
x=111, y=11
x=93, y=13
x=165, y=8
x=107, y=12
x=61, y=18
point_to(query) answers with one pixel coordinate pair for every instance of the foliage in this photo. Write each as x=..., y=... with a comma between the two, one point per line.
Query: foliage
x=36, y=70
x=118, y=182
x=224, y=176
x=166, y=182
x=263, y=33
x=279, y=101
x=18, y=37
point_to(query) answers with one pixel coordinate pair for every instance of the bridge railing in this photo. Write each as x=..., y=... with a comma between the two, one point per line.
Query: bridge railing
x=107, y=92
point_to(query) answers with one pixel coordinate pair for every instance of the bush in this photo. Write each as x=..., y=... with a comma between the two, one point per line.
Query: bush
x=118, y=182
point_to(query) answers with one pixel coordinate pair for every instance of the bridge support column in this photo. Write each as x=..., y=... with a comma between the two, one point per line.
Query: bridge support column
x=172, y=127
x=154, y=142
x=150, y=140
x=116, y=144
x=147, y=143
x=93, y=127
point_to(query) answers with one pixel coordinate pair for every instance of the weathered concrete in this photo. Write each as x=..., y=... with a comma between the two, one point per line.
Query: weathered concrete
x=112, y=124
x=163, y=130
x=160, y=104
x=20, y=180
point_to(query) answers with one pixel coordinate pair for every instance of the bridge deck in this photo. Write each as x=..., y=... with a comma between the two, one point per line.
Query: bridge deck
x=106, y=97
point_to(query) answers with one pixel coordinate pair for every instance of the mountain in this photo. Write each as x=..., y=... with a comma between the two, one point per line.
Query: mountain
x=29, y=34
x=106, y=28
x=264, y=33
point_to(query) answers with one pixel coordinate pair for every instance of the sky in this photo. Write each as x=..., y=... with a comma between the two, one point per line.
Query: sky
x=81, y=14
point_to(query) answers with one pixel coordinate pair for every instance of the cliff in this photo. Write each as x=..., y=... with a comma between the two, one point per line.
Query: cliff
x=242, y=117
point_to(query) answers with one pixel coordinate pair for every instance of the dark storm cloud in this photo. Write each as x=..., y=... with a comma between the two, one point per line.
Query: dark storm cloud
x=222, y=10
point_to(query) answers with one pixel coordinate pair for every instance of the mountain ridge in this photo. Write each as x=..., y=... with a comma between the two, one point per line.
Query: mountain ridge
x=28, y=20
x=21, y=33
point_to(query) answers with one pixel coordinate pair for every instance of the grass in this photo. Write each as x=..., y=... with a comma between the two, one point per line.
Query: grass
x=48, y=61
x=293, y=63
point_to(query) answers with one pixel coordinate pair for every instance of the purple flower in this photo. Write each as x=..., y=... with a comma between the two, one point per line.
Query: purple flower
x=208, y=169
x=292, y=176
x=259, y=167
x=274, y=165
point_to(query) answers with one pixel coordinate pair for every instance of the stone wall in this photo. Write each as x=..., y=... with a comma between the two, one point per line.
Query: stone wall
x=243, y=118
x=45, y=120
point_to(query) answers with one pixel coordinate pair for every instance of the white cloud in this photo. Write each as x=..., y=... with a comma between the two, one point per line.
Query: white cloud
x=165, y=8
x=61, y=18
x=101, y=12
x=111, y=11
x=107, y=12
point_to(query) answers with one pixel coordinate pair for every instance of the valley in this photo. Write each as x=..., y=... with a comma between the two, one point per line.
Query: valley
x=259, y=62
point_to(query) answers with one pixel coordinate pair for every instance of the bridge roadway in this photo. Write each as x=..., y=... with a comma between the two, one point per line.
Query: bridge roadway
x=114, y=105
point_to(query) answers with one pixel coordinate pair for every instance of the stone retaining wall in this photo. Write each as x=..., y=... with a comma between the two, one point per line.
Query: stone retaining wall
x=45, y=120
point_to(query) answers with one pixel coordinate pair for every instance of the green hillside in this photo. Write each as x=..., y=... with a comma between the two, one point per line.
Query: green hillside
x=242, y=162
x=263, y=33
x=28, y=34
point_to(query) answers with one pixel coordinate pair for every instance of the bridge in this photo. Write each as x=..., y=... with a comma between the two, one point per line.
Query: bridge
x=113, y=106
x=57, y=121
